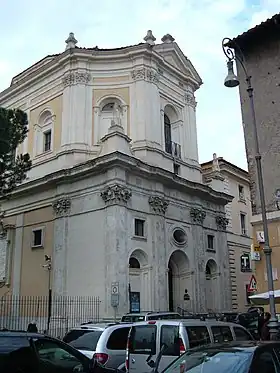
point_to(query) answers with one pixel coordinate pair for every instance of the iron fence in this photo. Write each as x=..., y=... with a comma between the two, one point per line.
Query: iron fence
x=16, y=312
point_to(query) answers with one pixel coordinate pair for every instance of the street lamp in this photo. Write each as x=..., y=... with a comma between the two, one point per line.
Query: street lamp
x=232, y=80
x=48, y=267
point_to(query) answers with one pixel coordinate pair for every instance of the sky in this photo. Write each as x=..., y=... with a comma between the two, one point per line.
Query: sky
x=32, y=29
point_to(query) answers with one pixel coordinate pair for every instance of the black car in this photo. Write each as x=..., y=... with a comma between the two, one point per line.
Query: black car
x=243, y=357
x=23, y=352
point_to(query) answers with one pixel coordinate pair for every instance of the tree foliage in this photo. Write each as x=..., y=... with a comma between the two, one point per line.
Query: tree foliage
x=13, y=131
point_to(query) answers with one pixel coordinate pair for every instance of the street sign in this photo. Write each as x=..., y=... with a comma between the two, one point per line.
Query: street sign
x=115, y=288
x=253, y=284
x=115, y=300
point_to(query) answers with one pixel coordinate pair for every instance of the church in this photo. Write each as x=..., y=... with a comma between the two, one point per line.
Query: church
x=115, y=196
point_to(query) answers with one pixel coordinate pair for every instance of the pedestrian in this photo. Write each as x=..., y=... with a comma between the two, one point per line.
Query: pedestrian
x=265, y=336
x=32, y=328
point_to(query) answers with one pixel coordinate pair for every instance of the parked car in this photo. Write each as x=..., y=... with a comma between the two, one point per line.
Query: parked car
x=149, y=315
x=147, y=338
x=106, y=342
x=23, y=352
x=242, y=357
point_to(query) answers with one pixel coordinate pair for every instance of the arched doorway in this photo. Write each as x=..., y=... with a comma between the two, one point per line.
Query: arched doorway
x=139, y=282
x=178, y=279
x=211, y=272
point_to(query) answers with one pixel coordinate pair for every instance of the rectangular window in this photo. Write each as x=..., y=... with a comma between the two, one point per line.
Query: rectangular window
x=170, y=338
x=198, y=336
x=118, y=339
x=241, y=193
x=139, y=225
x=37, y=238
x=243, y=224
x=241, y=334
x=47, y=140
x=210, y=242
x=221, y=334
x=143, y=339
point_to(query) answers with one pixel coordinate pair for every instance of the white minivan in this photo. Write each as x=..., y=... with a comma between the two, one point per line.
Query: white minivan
x=146, y=339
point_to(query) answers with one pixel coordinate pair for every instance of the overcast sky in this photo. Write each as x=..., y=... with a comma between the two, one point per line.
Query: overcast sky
x=31, y=29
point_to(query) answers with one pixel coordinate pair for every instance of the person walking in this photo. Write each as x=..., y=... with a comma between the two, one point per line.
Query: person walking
x=265, y=336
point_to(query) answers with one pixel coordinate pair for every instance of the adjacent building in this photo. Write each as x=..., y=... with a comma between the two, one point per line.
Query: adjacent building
x=260, y=46
x=115, y=196
x=238, y=213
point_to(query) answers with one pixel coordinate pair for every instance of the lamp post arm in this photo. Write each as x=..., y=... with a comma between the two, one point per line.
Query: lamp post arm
x=231, y=56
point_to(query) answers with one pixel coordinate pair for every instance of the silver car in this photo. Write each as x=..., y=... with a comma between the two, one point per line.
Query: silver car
x=106, y=342
x=146, y=339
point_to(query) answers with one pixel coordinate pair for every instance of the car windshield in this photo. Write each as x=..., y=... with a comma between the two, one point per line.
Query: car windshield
x=212, y=361
x=87, y=341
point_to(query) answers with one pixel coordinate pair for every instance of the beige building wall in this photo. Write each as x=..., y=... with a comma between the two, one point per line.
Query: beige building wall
x=236, y=184
x=34, y=278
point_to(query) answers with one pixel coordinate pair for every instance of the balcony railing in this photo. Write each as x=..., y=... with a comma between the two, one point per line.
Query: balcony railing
x=173, y=148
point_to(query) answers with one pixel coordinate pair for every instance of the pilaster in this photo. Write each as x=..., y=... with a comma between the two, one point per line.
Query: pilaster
x=77, y=109
x=197, y=217
x=116, y=198
x=190, y=146
x=145, y=101
x=61, y=210
x=158, y=207
x=17, y=257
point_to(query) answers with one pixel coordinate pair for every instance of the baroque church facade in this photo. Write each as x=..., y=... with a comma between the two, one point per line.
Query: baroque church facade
x=115, y=196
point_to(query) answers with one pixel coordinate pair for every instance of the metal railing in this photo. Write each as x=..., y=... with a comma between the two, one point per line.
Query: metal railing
x=16, y=312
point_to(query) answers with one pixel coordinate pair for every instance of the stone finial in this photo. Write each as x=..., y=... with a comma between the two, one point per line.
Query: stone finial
x=149, y=38
x=71, y=41
x=167, y=38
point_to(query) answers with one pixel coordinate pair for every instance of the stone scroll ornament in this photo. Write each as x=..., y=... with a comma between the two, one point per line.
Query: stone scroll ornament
x=61, y=206
x=222, y=222
x=158, y=204
x=197, y=215
x=116, y=193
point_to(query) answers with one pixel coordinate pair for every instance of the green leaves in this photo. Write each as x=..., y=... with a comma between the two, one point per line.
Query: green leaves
x=13, y=131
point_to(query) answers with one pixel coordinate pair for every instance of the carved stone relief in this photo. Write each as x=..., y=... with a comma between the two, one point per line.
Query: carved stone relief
x=190, y=99
x=197, y=215
x=145, y=74
x=76, y=78
x=158, y=204
x=116, y=193
x=61, y=206
x=221, y=222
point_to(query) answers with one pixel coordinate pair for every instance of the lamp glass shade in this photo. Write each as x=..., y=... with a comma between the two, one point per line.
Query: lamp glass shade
x=231, y=79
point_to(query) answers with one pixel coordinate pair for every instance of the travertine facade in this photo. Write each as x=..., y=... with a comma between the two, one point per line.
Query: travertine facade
x=239, y=232
x=260, y=47
x=115, y=194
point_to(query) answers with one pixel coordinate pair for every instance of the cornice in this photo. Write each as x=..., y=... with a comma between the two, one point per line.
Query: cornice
x=135, y=165
x=35, y=73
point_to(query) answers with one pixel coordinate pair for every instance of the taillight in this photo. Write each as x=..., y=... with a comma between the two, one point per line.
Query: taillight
x=101, y=358
x=182, y=346
x=127, y=364
x=128, y=347
x=151, y=322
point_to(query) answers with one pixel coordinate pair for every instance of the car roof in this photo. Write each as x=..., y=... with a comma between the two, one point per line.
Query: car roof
x=189, y=322
x=101, y=327
x=144, y=313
